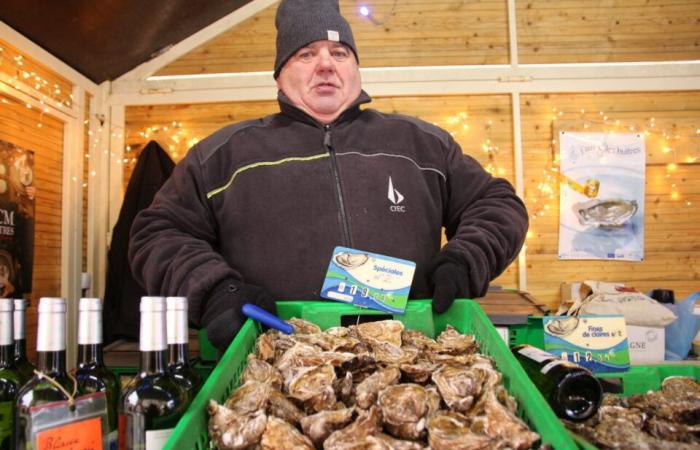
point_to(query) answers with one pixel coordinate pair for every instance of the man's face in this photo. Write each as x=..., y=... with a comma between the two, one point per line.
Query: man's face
x=322, y=79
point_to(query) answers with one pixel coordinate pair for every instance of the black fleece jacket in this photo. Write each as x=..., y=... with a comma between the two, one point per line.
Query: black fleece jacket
x=266, y=201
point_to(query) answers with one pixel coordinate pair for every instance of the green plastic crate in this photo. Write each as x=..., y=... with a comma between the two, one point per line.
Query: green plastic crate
x=465, y=315
x=636, y=380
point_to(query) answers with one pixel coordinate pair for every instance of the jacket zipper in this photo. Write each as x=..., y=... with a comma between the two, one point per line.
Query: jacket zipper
x=345, y=224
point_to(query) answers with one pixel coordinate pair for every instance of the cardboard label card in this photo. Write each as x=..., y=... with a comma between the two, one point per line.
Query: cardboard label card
x=86, y=434
x=368, y=280
x=598, y=343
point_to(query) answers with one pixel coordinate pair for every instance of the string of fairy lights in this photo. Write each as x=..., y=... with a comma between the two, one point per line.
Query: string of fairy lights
x=46, y=91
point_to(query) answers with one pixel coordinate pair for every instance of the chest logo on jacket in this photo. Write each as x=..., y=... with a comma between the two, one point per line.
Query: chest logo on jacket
x=396, y=198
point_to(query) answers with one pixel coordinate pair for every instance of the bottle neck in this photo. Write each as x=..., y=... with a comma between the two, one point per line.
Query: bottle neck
x=20, y=349
x=178, y=354
x=7, y=355
x=90, y=355
x=51, y=362
x=152, y=362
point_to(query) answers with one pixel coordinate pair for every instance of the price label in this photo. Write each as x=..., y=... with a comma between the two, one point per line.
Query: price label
x=83, y=435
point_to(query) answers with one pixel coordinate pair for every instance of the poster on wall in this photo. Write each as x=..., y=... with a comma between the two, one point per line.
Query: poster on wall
x=602, y=179
x=17, y=192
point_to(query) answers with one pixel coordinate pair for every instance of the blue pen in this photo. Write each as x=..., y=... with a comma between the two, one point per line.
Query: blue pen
x=265, y=318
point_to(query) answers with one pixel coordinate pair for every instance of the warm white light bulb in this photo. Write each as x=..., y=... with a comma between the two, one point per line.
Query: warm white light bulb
x=364, y=11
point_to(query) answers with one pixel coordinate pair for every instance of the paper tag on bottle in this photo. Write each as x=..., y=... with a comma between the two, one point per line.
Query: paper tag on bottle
x=58, y=425
x=368, y=280
x=535, y=354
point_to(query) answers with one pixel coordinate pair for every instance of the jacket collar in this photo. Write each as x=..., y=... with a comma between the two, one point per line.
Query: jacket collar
x=289, y=109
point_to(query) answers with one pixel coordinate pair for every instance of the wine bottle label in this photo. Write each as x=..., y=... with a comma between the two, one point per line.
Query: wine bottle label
x=550, y=365
x=535, y=354
x=113, y=440
x=6, y=421
x=156, y=439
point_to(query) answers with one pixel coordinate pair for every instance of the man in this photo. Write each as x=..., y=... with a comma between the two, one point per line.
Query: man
x=254, y=211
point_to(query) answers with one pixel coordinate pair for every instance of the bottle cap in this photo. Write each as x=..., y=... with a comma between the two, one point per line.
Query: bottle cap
x=20, y=304
x=176, y=303
x=52, y=305
x=6, y=305
x=152, y=304
x=90, y=304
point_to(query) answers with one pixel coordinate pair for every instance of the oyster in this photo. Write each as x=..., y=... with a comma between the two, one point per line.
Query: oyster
x=232, y=431
x=383, y=331
x=450, y=430
x=605, y=213
x=680, y=388
x=418, y=372
x=279, y=435
x=262, y=372
x=280, y=406
x=320, y=425
x=384, y=441
x=500, y=423
x=404, y=407
x=314, y=387
x=389, y=354
x=302, y=326
x=459, y=386
x=368, y=423
x=249, y=398
x=366, y=392
x=452, y=342
x=417, y=339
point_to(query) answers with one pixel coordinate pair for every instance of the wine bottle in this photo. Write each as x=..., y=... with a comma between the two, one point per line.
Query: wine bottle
x=26, y=368
x=51, y=363
x=571, y=390
x=91, y=373
x=10, y=378
x=152, y=402
x=178, y=347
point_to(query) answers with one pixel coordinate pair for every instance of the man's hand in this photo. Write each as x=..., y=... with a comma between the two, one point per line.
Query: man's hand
x=450, y=280
x=222, y=315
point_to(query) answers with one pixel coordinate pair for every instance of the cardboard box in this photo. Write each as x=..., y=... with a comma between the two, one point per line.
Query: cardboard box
x=646, y=344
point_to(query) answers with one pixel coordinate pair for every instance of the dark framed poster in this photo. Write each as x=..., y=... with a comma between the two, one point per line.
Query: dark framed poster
x=17, y=197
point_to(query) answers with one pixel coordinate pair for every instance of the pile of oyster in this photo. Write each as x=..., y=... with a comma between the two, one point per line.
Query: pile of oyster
x=666, y=419
x=369, y=386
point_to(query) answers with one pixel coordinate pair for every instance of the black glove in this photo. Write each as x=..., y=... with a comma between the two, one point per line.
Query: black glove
x=222, y=315
x=449, y=276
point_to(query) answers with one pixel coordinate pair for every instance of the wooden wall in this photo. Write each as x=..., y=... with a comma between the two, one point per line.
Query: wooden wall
x=18, y=125
x=451, y=32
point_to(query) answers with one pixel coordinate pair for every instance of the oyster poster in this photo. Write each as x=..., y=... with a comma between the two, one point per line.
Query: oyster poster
x=602, y=196
x=17, y=191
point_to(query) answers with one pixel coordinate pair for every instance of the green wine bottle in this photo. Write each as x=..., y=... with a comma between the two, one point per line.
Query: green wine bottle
x=178, y=347
x=571, y=390
x=51, y=362
x=152, y=403
x=91, y=373
x=10, y=378
x=25, y=368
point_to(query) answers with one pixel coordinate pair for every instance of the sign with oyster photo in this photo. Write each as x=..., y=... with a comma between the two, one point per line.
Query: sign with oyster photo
x=17, y=192
x=602, y=196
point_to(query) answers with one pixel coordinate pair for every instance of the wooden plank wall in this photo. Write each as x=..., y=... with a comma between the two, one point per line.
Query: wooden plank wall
x=399, y=33
x=569, y=31
x=672, y=240
x=452, y=32
x=18, y=125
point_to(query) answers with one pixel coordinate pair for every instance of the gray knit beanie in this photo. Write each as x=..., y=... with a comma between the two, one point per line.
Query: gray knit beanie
x=301, y=22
